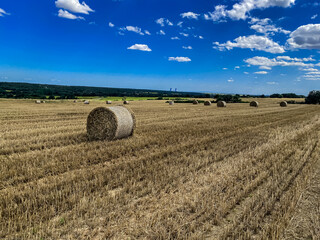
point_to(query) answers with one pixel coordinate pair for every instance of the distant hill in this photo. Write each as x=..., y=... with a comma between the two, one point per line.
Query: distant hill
x=42, y=91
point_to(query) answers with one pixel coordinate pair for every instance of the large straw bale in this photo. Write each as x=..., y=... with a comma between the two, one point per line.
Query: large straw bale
x=195, y=102
x=37, y=101
x=254, y=104
x=283, y=104
x=221, y=104
x=125, y=102
x=110, y=123
x=207, y=103
x=108, y=102
x=86, y=102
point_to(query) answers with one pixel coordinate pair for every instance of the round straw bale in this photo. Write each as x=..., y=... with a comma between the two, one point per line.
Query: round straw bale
x=195, y=102
x=221, y=104
x=283, y=104
x=37, y=101
x=207, y=103
x=86, y=102
x=108, y=102
x=254, y=104
x=110, y=123
x=74, y=101
x=171, y=102
x=125, y=102
x=43, y=101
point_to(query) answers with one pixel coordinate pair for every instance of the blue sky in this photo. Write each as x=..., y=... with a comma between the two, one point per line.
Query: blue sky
x=236, y=46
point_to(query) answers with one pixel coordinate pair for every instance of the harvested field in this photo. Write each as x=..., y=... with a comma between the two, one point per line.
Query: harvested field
x=189, y=171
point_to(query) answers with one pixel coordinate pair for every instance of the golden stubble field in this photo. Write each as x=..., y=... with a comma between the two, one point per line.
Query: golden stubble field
x=190, y=171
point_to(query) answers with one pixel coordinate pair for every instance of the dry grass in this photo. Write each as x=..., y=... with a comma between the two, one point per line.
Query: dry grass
x=189, y=172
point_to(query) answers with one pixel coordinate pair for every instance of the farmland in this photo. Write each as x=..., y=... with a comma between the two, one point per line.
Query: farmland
x=189, y=171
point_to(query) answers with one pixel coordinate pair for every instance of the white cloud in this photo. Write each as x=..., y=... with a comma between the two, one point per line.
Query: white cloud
x=74, y=6
x=179, y=24
x=272, y=83
x=314, y=16
x=3, y=12
x=66, y=14
x=287, y=58
x=184, y=34
x=264, y=26
x=135, y=30
x=230, y=80
x=200, y=37
x=190, y=15
x=309, y=69
x=245, y=72
x=140, y=47
x=236, y=67
x=187, y=47
x=218, y=13
x=282, y=61
x=241, y=10
x=111, y=24
x=175, y=38
x=163, y=21
x=261, y=72
x=265, y=68
x=252, y=42
x=161, y=32
x=305, y=37
x=180, y=59
x=224, y=68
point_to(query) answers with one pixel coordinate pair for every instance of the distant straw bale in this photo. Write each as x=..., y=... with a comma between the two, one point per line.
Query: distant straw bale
x=171, y=102
x=37, y=101
x=283, y=104
x=108, y=102
x=221, y=104
x=254, y=104
x=43, y=101
x=195, y=102
x=110, y=123
x=74, y=101
x=86, y=102
x=125, y=102
x=207, y=103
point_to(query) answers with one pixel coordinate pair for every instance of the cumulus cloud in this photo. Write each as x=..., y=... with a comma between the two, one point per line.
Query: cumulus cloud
x=231, y=80
x=187, y=47
x=184, y=34
x=74, y=6
x=265, y=26
x=161, y=32
x=3, y=12
x=180, y=59
x=163, y=21
x=283, y=61
x=111, y=24
x=261, y=72
x=175, y=38
x=241, y=10
x=66, y=14
x=140, y=47
x=305, y=37
x=265, y=68
x=190, y=15
x=252, y=42
x=135, y=30
x=314, y=16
